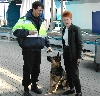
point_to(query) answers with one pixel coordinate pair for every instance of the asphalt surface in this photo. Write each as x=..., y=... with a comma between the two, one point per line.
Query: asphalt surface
x=11, y=63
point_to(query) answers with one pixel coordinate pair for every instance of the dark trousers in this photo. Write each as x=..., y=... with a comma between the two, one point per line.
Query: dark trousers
x=31, y=67
x=72, y=71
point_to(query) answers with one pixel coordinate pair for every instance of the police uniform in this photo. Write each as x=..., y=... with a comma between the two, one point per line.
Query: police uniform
x=31, y=50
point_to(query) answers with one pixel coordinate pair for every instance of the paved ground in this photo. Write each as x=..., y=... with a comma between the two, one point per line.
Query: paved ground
x=11, y=73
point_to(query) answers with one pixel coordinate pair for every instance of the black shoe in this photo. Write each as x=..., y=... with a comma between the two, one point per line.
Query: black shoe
x=35, y=89
x=69, y=92
x=26, y=92
x=78, y=94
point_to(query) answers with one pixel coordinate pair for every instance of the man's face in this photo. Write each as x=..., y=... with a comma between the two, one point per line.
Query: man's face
x=38, y=11
x=67, y=21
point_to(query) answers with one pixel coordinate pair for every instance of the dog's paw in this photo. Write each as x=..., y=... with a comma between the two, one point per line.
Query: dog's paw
x=49, y=91
x=65, y=87
x=54, y=92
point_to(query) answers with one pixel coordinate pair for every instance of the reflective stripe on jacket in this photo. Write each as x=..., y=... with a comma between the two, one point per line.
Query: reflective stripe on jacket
x=27, y=24
x=26, y=41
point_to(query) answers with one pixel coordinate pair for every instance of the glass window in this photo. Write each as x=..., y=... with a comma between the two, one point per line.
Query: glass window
x=56, y=25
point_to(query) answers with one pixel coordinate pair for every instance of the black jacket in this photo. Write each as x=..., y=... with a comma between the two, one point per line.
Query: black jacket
x=75, y=41
x=22, y=33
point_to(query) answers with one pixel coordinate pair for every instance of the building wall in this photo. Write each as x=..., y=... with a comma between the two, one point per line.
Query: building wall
x=81, y=10
x=82, y=13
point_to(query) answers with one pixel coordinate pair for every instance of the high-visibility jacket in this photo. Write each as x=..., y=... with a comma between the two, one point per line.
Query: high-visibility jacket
x=36, y=41
x=27, y=24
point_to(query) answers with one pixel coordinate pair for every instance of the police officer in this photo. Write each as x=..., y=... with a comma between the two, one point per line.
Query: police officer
x=31, y=35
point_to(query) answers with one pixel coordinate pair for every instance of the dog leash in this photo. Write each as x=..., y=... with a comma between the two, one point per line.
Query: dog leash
x=57, y=84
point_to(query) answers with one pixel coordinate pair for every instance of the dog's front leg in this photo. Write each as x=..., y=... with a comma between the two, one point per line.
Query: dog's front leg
x=57, y=83
x=51, y=82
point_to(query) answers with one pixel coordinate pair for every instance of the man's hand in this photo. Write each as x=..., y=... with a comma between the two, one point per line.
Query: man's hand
x=49, y=49
x=32, y=32
x=78, y=61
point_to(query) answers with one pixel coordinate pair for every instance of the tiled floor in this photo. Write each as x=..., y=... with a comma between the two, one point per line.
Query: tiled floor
x=11, y=72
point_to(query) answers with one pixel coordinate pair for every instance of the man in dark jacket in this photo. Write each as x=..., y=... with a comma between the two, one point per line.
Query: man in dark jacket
x=72, y=53
x=31, y=34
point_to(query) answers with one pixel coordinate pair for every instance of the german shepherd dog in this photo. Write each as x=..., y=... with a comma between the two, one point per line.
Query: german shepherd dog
x=57, y=73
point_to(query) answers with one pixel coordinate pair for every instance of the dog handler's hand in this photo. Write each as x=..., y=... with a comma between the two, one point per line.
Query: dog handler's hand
x=78, y=61
x=49, y=49
x=32, y=32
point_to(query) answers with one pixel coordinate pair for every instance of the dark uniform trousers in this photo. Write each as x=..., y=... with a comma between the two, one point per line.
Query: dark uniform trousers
x=72, y=71
x=31, y=67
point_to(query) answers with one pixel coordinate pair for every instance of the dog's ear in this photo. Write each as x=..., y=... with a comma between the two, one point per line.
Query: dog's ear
x=49, y=58
x=58, y=54
x=60, y=57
